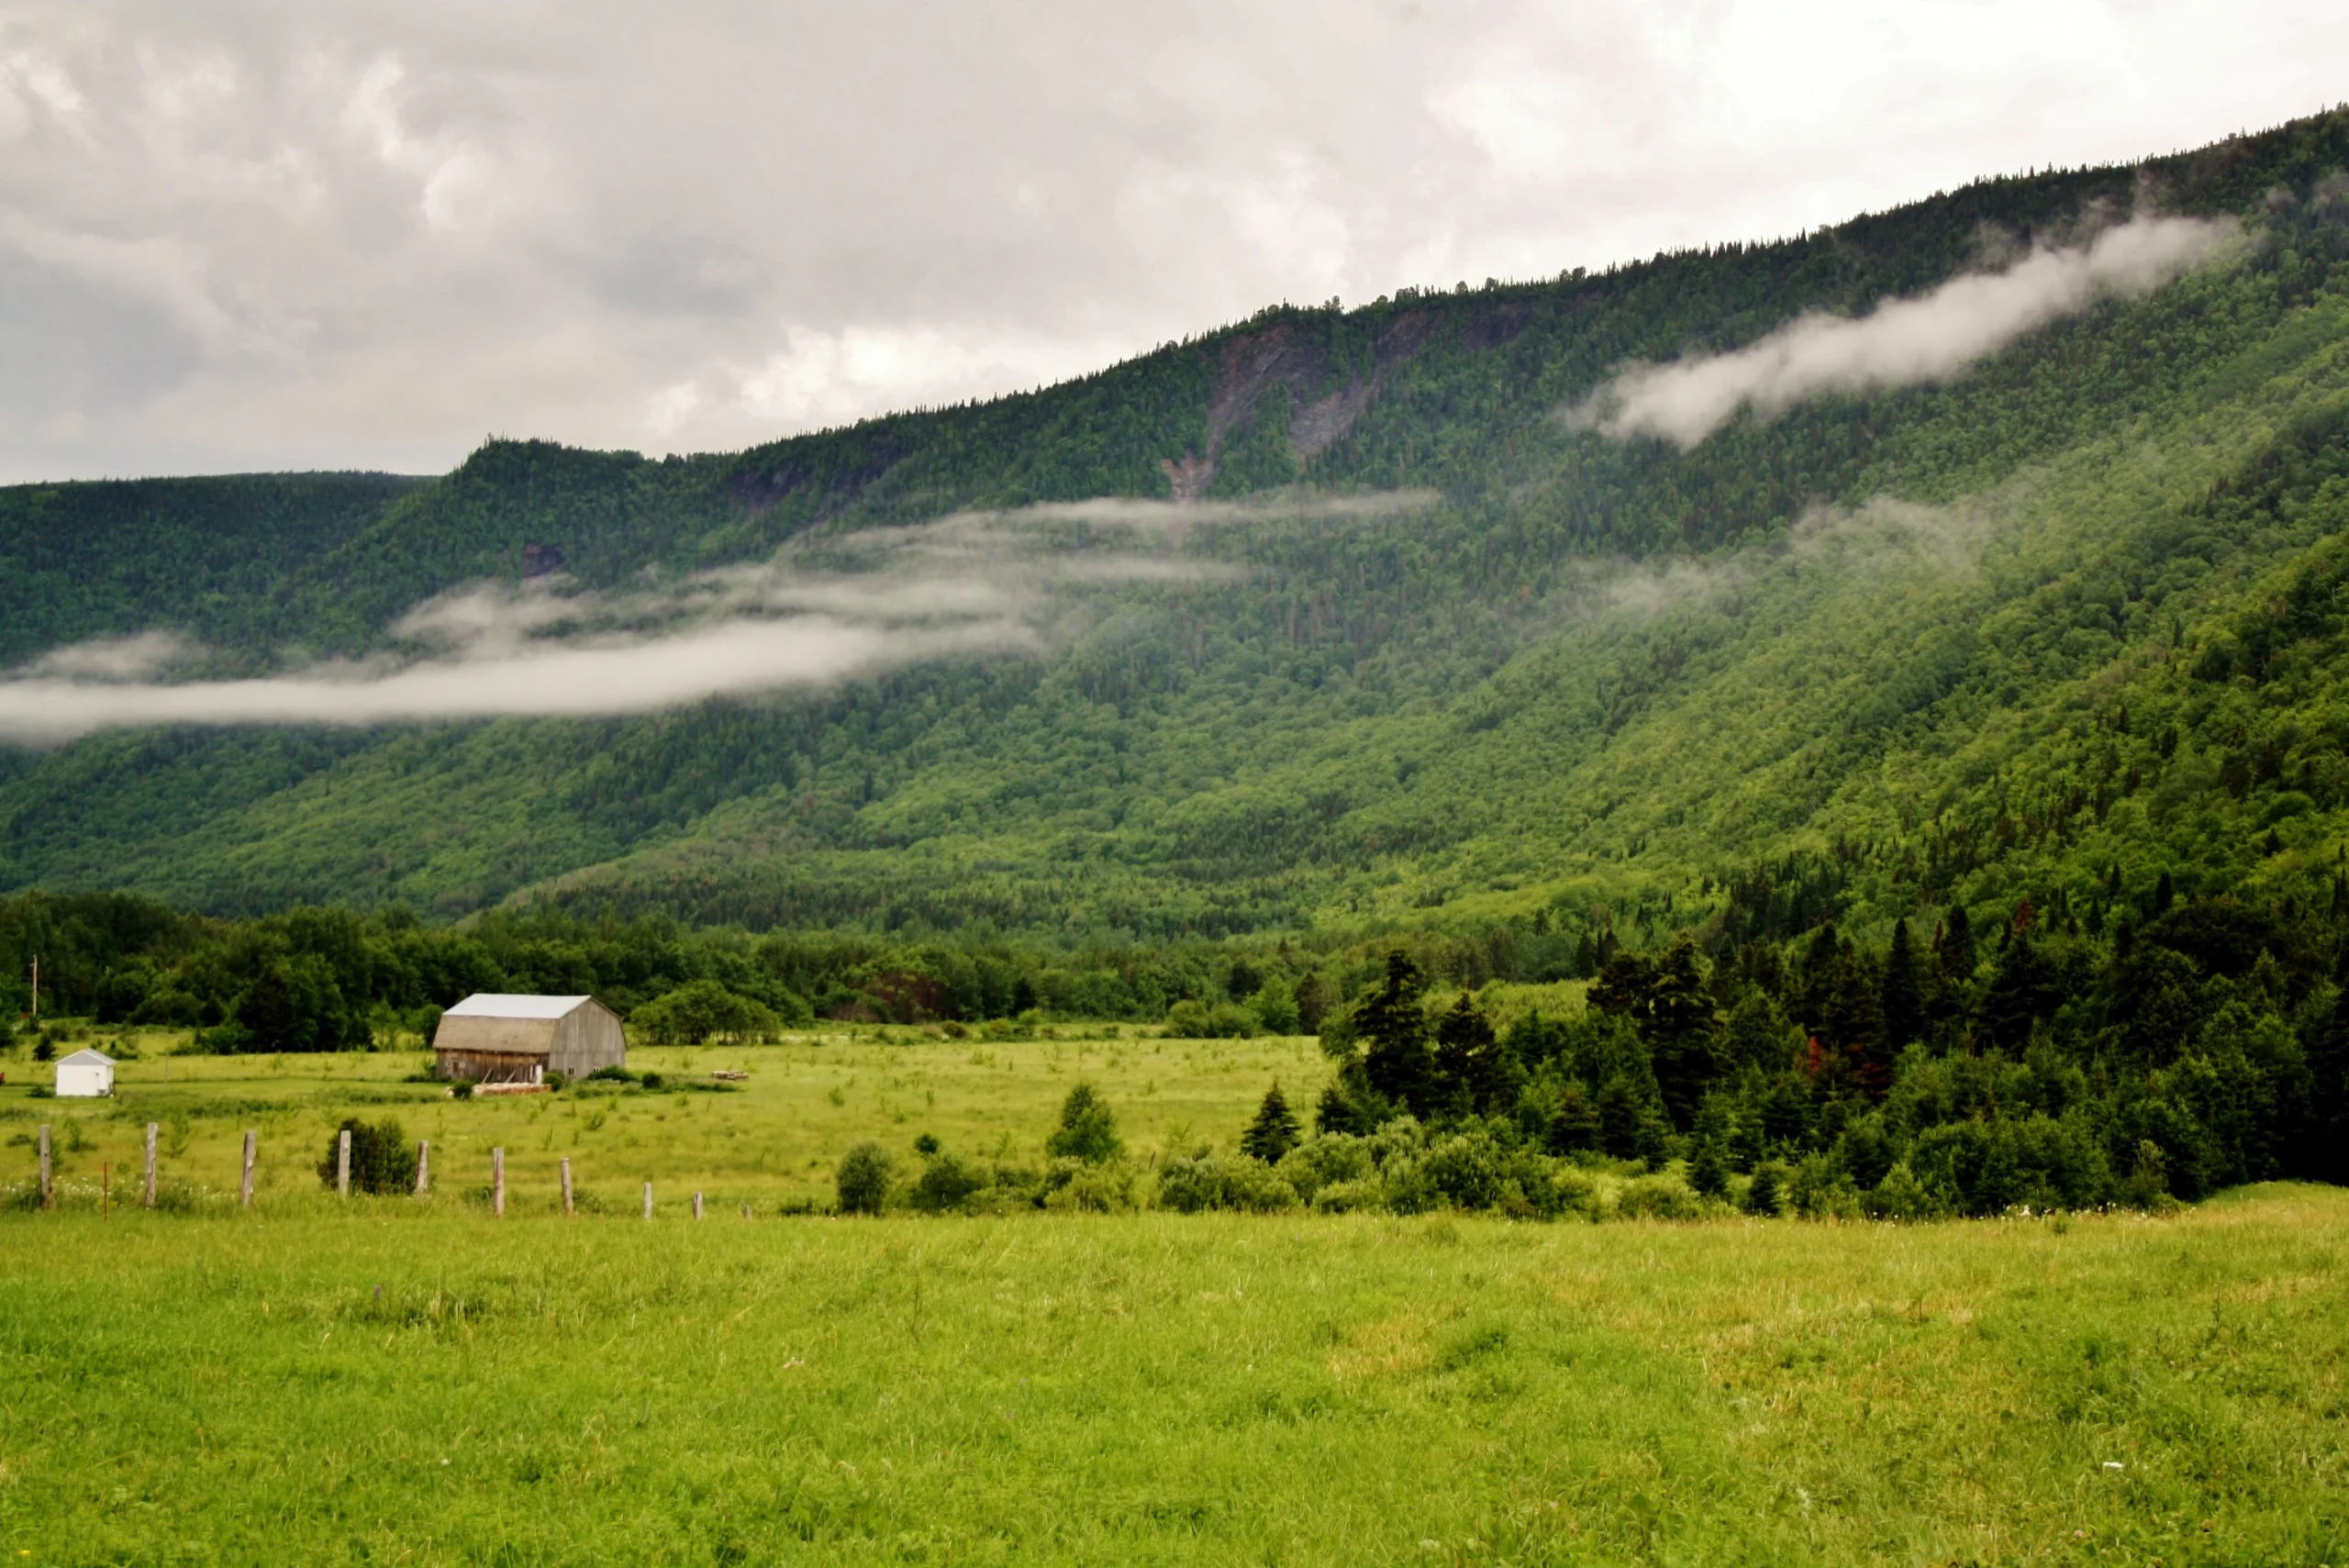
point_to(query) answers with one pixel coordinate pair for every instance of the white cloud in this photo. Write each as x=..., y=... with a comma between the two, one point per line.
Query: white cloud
x=1932, y=337
x=827, y=609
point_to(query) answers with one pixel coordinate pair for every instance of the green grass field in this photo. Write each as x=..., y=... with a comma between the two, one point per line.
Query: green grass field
x=385, y=1380
x=772, y=1140
x=385, y=1383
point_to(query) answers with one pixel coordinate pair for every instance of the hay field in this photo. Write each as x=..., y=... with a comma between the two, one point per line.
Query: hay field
x=770, y=1140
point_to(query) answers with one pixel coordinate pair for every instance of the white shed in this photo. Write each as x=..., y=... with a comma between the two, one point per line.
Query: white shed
x=494, y=1039
x=85, y=1074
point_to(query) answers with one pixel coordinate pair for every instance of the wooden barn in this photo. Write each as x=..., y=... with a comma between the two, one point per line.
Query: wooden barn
x=490, y=1038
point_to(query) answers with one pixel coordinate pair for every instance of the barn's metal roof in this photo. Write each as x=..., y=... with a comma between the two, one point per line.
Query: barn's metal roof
x=499, y=1004
x=87, y=1058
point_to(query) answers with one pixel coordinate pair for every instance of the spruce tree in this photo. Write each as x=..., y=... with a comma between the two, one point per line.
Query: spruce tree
x=1707, y=1169
x=1904, y=997
x=1273, y=1132
x=1394, y=1026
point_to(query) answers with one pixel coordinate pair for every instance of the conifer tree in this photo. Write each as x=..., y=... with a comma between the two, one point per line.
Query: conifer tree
x=1904, y=997
x=1394, y=1026
x=1273, y=1132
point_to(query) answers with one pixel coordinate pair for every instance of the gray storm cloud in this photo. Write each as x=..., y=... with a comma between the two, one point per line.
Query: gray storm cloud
x=239, y=234
x=1931, y=336
x=825, y=611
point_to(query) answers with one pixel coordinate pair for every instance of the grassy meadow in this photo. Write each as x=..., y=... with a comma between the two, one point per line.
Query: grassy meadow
x=386, y=1383
x=387, y=1380
x=770, y=1140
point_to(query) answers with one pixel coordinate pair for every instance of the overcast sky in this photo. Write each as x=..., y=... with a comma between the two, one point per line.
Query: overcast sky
x=288, y=233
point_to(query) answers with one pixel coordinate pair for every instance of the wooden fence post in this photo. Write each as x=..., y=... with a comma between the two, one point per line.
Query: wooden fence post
x=423, y=1167
x=252, y=1141
x=147, y=1199
x=696, y=1206
x=498, y=1183
x=648, y=1200
x=566, y=1186
x=48, y=1189
x=343, y=1163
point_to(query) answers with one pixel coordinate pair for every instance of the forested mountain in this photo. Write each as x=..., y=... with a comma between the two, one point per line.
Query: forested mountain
x=1433, y=652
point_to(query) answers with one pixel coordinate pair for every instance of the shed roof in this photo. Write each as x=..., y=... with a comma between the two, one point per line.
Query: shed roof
x=87, y=1058
x=501, y=1005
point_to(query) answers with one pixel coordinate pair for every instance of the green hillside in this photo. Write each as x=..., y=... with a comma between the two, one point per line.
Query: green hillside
x=2061, y=628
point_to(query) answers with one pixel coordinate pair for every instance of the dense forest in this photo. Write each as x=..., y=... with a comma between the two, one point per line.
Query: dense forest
x=1942, y=790
x=2062, y=619
x=2049, y=1057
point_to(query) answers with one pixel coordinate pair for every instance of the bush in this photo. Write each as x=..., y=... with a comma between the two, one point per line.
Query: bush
x=700, y=1010
x=863, y=1179
x=1900, y=1196
x=1326, y=1160
x=1223, y=1020
x=1201, y=1181
x=1657, y=1197
x=1276, y=1010
x=1089, y=1129
x=381, y=1159
x=1090, y=1187
x=1761, y=1192
x=945, y=1182
x=1348, y=1197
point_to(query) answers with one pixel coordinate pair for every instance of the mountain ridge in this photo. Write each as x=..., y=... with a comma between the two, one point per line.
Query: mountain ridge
x=1321, y=735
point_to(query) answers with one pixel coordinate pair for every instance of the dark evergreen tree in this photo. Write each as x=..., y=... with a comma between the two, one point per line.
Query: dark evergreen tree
x=1392, y=1023
x=1903, y=1002
x=1574, y=1125
x=1474, y=1072
x=1708, y=1168
x=1312, y=1002
x=1273, y=1132
x=2023, y=990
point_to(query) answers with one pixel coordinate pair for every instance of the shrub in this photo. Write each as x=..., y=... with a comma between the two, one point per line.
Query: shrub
x=381, y=1159
x=1348, y=1197
x=1329, y=1158
x=1761, y=1192
x=1089, y=1129
x=945, y=1182
x=1820, y=1190
x=863, y=1179
x=1201, y=1181
x=1657, y=1197
x=1900, y=1196
x=1090, y=1187
x=1276, y=1010
x=699, y=1010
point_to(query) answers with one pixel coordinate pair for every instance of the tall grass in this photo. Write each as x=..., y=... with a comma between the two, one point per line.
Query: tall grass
x=388, y=1381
